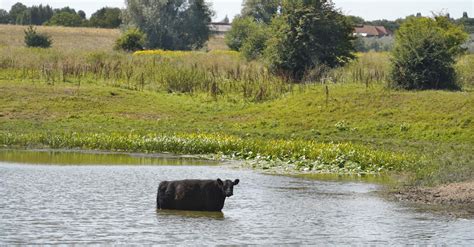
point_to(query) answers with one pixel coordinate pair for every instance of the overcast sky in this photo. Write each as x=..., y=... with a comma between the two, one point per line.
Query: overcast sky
x=368, y=9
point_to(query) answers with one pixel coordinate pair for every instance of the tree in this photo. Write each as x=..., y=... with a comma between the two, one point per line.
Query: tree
x=23, y=18
x=66, y=19
x=106, y=18
x=17, y=10
x=82, y=14
x=241, y=29
x=355, y=20
x=40, y=14
x=260, y=10
x=425, y=52
x=247, y=36
x=4, y=17
x=255, y=43
x=308, y=33
x=171, y=24
x=464, y=15
x=226, y=20
x=66, y=10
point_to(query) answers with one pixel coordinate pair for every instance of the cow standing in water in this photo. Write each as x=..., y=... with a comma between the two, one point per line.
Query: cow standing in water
x=194, y=195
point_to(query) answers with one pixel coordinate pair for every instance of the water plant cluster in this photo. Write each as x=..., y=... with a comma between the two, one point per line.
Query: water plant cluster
x=300, y=155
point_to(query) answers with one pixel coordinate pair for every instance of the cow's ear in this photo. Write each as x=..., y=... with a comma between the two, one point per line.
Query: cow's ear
x=219, y=182
x=236, y=182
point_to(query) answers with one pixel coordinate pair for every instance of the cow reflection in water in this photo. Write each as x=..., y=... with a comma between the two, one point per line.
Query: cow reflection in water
x=216, y=215
x=194, y=195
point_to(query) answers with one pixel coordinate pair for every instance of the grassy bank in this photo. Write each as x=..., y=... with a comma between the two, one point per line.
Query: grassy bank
x=358, y=130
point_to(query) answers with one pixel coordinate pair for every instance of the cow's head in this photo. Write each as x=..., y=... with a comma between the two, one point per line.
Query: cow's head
x=227, y=186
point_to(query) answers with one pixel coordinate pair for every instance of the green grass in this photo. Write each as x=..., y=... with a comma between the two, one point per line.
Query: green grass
x=428, y=135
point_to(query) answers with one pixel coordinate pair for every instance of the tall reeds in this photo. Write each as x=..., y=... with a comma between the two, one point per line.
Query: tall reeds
x=216, y=73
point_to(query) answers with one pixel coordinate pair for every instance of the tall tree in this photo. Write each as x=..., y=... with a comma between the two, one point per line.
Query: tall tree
x=40, y=14
x=17, y=10
x=24, y=18
x=355, y=20
x=82, y=14
x=308, y=33
x=260, y=10
x=66, y=10
x=226, y=20
x=171, y=24
x=4, y=17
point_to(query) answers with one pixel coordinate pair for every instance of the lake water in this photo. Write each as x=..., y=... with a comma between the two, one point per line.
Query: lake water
x=78, y=198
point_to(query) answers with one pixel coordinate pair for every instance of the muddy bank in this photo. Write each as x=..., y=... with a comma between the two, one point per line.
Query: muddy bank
x=455, y=195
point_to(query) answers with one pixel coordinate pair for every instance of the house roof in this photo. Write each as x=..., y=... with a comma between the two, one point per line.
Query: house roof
x=371, y=30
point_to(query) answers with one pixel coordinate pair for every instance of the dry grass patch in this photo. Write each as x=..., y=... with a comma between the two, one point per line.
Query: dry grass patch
x=64, y=38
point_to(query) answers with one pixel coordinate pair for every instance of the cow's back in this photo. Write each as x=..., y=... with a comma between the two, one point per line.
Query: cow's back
x=202, y=195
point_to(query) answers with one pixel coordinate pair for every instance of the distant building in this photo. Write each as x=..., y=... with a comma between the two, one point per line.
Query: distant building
x=371, y=31
x=220, y=28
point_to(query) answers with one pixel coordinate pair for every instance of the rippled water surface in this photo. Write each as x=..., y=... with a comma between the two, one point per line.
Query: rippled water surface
x=113, y=202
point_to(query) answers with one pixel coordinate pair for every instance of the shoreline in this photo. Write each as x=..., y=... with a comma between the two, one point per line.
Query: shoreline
x=452, y=194
x=452, y=198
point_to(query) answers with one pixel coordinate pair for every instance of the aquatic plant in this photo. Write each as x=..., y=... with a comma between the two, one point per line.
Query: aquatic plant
x=295, y=154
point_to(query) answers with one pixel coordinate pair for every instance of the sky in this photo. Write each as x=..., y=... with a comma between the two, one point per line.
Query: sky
x=368, y=9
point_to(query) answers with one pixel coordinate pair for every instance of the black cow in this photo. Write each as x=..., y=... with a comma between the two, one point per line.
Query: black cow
x=194, y=195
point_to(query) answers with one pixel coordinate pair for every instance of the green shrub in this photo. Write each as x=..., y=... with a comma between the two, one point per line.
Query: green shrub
x=34, y=39
x=306, y=35
x=132, y=40
x=425, y=52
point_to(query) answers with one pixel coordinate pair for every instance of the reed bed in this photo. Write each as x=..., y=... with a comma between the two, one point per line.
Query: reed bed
x=368, y=68
x=217, y=73
x=300, y=155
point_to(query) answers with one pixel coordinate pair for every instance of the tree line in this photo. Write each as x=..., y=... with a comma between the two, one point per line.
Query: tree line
x=21, y=14
x=394, y=25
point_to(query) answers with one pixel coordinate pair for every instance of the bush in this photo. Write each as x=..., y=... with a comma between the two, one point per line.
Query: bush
x=34, y=39
x=131, y=40
x=307, y=34
x=425, y=52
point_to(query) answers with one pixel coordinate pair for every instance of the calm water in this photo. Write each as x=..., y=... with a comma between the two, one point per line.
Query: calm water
x=115, y=204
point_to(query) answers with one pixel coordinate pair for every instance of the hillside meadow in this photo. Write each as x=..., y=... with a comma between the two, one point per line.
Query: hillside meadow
x=82, y=94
